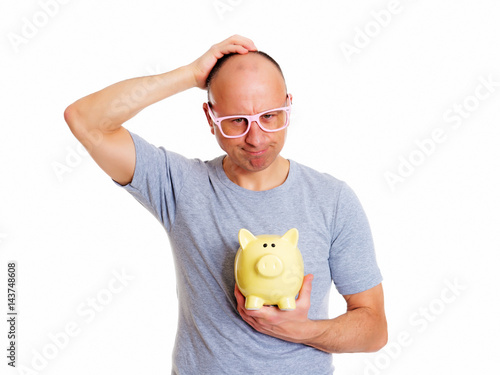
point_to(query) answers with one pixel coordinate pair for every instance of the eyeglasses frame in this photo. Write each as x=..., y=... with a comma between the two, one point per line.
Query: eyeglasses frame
x=250, y=119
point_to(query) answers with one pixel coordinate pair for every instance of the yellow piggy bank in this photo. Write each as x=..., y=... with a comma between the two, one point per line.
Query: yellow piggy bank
x=269, y=269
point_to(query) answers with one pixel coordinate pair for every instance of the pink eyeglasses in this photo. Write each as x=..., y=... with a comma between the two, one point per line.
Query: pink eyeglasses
x=236, y=126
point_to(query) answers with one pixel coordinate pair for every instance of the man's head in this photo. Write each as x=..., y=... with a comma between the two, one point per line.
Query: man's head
x=246, y=85
x=223, y=59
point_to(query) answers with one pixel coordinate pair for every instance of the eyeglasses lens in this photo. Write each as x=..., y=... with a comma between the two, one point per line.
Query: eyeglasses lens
x=271, y=121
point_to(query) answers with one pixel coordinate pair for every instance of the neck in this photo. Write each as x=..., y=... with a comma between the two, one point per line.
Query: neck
x=266, y=179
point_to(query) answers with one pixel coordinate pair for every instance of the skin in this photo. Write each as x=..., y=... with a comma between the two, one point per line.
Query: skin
x=363, y=328
x=246, y=84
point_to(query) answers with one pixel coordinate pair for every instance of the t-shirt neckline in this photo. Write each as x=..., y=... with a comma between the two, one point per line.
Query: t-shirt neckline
x=241, y=190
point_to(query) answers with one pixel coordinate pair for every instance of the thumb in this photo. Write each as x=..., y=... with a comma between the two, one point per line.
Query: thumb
x=305, y=291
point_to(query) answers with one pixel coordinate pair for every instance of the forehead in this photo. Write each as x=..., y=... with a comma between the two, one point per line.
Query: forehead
x=266, y=242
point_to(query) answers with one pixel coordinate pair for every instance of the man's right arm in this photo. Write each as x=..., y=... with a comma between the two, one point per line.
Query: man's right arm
x=96, y=120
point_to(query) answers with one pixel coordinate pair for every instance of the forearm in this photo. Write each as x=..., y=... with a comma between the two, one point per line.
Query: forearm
x=363, y=328
x=107, y=109
x=359, y=330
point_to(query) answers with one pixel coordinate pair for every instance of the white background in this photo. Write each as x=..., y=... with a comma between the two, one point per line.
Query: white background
x=355, y=116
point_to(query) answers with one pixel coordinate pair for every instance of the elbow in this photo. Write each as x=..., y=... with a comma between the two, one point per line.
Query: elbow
x=76, y=123
x=379, y=340
x=378, y=343
x=71, y=116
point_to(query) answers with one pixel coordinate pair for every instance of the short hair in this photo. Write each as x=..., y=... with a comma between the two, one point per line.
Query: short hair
x=224, y=58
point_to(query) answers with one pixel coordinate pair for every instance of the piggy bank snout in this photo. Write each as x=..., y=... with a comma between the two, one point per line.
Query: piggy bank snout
x=270, y=266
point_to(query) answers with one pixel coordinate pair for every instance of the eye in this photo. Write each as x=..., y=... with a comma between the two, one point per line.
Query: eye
x=239, y=121
x=268, y=116
x=265, y=245
x=273, y=245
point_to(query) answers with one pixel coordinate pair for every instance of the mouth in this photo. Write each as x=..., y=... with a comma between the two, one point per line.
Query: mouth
x=255, y=153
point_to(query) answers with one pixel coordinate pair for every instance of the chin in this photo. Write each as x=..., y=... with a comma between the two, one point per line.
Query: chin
x=253, y=164
x=260, y=164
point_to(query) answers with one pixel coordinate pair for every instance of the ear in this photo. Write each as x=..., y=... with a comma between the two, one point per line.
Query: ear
x=292, y=236
x=210, y=122
x=245, y=237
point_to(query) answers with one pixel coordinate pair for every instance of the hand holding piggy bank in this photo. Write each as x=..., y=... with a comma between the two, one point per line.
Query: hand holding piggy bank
x=269, y=269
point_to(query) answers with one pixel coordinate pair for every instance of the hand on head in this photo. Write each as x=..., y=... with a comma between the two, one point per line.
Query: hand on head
x=202, y=66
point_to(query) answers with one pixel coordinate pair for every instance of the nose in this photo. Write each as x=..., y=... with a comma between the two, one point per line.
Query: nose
x=270, y=266
x=255, y=136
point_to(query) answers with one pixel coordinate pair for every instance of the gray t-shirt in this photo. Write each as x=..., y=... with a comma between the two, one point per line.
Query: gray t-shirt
x=202, y=212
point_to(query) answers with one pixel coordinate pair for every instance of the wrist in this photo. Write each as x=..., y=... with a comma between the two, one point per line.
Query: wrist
x=193, y=75
x=314, y=333
x=188, y=72
x=170, y=83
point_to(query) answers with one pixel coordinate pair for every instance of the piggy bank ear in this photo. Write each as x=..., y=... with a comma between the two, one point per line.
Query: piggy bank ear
x=245, y=237
x=292, y=236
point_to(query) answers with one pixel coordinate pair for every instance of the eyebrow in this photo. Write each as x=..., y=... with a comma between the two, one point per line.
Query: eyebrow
x=240, y=114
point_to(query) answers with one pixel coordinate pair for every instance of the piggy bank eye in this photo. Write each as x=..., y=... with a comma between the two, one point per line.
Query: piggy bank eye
x=265, y=245
x=273, y=245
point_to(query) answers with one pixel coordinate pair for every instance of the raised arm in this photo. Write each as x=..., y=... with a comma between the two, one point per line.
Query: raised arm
x=96, y=120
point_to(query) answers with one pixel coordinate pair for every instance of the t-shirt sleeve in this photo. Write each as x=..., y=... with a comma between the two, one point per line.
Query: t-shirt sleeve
x=158, y=179
x=352, y=255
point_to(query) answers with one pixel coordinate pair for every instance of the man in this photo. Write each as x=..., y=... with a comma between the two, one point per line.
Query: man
x=202, y=205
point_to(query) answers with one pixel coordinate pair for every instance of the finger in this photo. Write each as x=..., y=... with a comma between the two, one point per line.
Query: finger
x=240, y=299
x=235, y=44
x=237, y=293
x=232, y=48
x=305, y=291
x=243, y=41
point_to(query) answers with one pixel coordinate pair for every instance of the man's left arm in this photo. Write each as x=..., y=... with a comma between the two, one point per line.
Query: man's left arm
x=363, y=328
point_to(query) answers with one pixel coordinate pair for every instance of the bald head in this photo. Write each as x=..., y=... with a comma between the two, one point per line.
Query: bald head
x=256, y=62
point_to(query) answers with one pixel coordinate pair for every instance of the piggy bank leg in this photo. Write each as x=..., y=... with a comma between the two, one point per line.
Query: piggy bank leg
x=254, y=303
x=287, y=303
